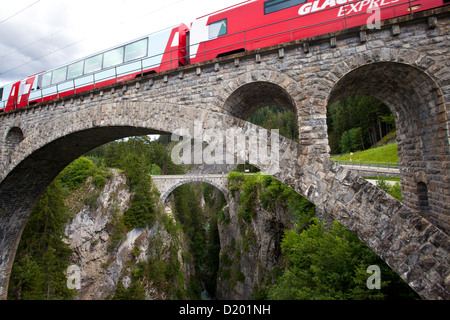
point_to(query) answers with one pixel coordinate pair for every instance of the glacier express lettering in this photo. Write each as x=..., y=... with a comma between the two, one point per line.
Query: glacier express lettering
x=351, y=8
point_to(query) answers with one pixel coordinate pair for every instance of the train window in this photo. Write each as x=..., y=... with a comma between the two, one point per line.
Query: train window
x=93, y=64
x=113, y=57
x=75, y=70
x=1, y=94
x=277, y=5
x=218, y=28
x=136, y=50
x=59, y=75
x=46, y=79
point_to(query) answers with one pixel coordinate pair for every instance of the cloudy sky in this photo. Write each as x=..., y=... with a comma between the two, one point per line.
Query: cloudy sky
x=37, y=35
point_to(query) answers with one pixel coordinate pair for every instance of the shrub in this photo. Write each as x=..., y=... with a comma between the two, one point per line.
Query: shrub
x=76, y=173
x=99, y=181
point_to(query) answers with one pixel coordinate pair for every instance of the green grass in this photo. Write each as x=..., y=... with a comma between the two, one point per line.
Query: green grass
x=383, y=178
x=387, y=153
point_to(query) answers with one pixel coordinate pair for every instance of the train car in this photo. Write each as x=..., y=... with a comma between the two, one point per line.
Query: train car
x=157, y=52
x=246, y=26
x=261, y=23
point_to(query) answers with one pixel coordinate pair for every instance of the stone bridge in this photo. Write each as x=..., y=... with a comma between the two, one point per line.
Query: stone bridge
x=167, y=183
x=405, y=64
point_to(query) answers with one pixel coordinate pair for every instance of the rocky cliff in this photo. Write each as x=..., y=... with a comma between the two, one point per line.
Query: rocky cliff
x=156, y=259
x=107, y=263
x=250, y=251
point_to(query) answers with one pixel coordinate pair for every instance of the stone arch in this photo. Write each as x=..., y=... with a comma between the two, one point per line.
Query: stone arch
x=68, y=136
x=12, y=140
x=281, y=88
x=248, y=98
x=351, y=200
x=179, y=184
x=242, y=96
x=403, y=81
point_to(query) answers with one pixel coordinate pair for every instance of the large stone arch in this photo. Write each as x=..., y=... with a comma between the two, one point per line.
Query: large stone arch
x=48, y=148
x=378, y=219
x=403, y=80
x=234, y=97
x=248, y=98
x=243, y=95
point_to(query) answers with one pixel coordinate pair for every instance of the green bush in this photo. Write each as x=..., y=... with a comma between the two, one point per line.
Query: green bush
x=99, y=181
x=394, y=190
x=76, y=173
x=331, y=264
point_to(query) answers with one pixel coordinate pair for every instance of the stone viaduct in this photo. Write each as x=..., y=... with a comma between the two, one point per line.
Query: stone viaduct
x=166, y=184
x=405, y=64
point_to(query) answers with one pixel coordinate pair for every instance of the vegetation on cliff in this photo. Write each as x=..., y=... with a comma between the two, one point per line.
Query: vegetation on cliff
x=321, y=262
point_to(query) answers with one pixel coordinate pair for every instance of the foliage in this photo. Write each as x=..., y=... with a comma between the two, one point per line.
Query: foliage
x=142, y=210
x=331, y=264
x=394, y=190
x=43, y=256
x=364, y=113
x=200, y=226
x=248, y=198
x=155, y=170
x=273, y=117
x=76, y=173
x=351, y=140
x=154, y=157
x=321, y=262
x=134, y=292
x=248, y=185
x=277, y=194
x=99, y=181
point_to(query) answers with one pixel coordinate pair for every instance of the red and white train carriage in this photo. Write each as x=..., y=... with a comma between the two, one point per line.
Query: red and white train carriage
x=246, y=26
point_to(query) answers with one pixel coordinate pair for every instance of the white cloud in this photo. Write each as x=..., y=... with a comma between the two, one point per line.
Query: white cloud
x=53, y=32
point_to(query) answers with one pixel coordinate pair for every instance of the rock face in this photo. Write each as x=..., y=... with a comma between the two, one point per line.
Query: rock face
x=89, y=241
x=102, y=264
x=250, y=252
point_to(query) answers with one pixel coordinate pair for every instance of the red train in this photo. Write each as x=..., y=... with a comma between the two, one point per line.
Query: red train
x=246, y=26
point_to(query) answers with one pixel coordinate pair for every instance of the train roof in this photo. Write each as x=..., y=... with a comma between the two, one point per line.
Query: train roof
x=228, y=8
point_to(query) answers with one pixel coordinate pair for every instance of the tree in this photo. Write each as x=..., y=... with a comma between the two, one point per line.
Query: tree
x=367, y=113
x=331, y=264
x=142, y=210
x=43, y=256
x=351, y=140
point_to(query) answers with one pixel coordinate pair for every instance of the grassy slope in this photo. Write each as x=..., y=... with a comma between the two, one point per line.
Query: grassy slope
x=387, y=153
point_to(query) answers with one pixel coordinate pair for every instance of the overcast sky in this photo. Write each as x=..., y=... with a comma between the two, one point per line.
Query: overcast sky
x=37, y=35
